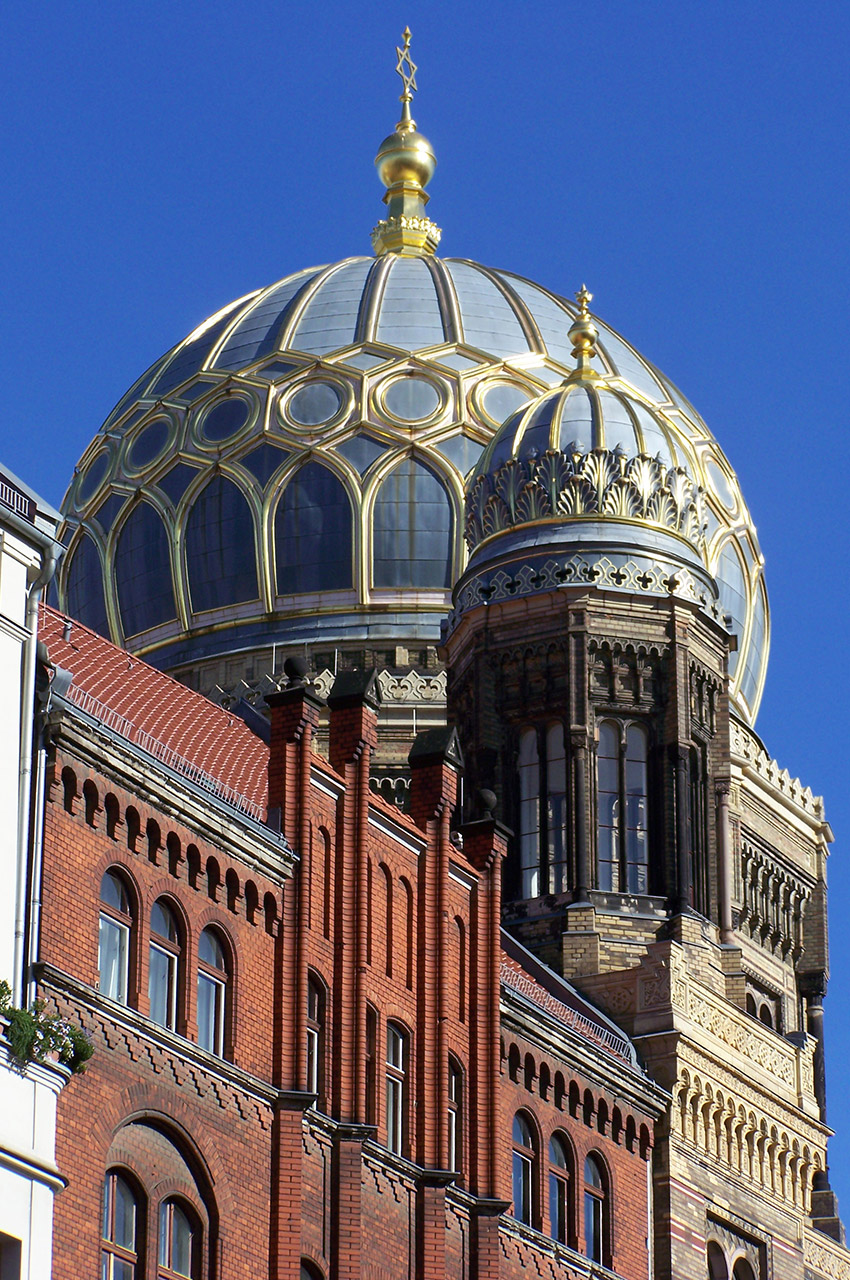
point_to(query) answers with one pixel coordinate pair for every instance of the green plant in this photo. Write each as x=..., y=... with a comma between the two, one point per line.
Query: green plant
x=34, y=1035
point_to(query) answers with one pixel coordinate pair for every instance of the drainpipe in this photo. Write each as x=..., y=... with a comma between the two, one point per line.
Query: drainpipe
x=51, y=556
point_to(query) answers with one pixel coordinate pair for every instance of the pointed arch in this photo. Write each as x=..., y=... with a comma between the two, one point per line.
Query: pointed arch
x=313, y=533
x=221, y=561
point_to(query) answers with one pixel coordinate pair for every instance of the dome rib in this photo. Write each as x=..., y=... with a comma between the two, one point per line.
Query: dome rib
x=371, y=298
x=446, y=299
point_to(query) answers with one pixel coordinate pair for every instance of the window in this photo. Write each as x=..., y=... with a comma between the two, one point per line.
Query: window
x=454, y=1150
x=120, y=1231
x=595, y=1210
x=397, y=1061
x=113, y=949
x=523, y=1169
x=164, y=965
x=315, y=1036
x=622, y=802
x=559, y=1189
x=312, y=532
x=178, y=1242
x=542, y=818
x=212, y=992
x=412, y=529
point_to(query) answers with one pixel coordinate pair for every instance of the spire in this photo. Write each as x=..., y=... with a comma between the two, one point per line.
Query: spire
x=583, y=334
x=406, y=164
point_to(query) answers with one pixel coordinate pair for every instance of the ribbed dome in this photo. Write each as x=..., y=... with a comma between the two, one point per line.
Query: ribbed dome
x=293, y=472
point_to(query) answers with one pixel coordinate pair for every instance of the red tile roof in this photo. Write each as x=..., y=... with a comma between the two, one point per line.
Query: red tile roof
x=176, y=724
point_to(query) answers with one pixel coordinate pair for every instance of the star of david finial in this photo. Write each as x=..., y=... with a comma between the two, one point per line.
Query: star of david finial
x=406, y=67
x=583, y=297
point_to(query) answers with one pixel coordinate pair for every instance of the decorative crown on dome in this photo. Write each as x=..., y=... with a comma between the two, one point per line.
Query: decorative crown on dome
x=406, y=164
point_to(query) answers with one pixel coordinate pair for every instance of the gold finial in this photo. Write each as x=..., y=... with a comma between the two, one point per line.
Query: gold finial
x=406, y=164
x=583, y=334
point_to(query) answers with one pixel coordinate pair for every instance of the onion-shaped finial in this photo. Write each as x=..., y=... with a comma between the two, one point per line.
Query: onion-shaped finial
x=583, y=334
x=406, y=164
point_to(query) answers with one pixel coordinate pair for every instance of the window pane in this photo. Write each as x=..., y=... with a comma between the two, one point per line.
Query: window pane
x=313, y=533
x=556, y=807
x=210, y=950
x=112, y=956
x=210, y=1013
x=412, y=529
x=162, y=922
x=522, y=1187
x=220, y=557
x=557, y=1208
x=593, y=1226
x=85, y=587
x=113, y=893
x=529, y=813
x=395, y=1047
x=161, y=987
x=637, y=851
x=143, y=572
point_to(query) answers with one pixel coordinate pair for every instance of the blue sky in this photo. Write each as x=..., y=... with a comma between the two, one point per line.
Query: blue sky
x=689, y=160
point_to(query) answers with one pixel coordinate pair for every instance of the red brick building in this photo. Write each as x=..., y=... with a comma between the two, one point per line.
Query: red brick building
x=315, y=1050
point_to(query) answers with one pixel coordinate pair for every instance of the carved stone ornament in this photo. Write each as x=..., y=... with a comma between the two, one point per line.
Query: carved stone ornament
x=601, y=483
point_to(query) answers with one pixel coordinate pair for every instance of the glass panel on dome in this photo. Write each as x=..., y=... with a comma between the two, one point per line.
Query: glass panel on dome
x=538, y=428
x=189, y=357
x=143, y=572
x=197, y=389
x=412, y=529
x=502, y=399
x=489, y=321
x=756, y=650
x=93, y=477
x=276, y=370
x=364, y=360
x=628, y=363
x=84, y=588
x=256, y=333
x=149, y=443
x=314, y=403
x=454, y=360
x=176, y=481
x=462, y=450
x=220, y=556
x=577, y=421
x=543, y=373
x=409, y=315
x=263, y=462
x=361, y=451
x=330, y=317
x=108, y=510
x=733, y=594
x=411, y=399
x=552, y=320
x=720, y=484
x=655, y=442
x=312, y=531
x=224, y=419
x=617, y=424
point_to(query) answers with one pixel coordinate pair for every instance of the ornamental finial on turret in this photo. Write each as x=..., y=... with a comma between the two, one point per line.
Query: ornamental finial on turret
x=406, y=164
x=583, y=334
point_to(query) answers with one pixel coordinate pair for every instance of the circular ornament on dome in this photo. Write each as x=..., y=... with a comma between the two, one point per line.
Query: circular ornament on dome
x=314, y=403
x=148, y=444
x=720, y=485
x=93, y=477
x=410, y=399
x=224, y=419
x=498, y=400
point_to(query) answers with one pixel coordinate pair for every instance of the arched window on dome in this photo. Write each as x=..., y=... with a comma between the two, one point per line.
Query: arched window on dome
x=313, y=533
x=412, y=529
x=220, y=556
x=84, y=587
x=143, y=572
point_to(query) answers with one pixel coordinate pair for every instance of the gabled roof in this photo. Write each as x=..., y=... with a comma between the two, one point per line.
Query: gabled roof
x=157, y=711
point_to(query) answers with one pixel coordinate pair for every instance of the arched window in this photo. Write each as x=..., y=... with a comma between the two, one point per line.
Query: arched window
x=556, y=808
x=84, y=587
x=312, y=532
x=164, y=965
x=529, y=813
x=212, y=992
x=143, y=572
x=397, y=1087
x=316, y=1004
x=622, y=803
x=524, y=1170
x=454, y=1151
x=179, y=1242
x=596, y=1210
x=113, y=948
x=559, y=1189
x=220, y=556
x=716, y=1259
x=121, y=1232
x=412, y=529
